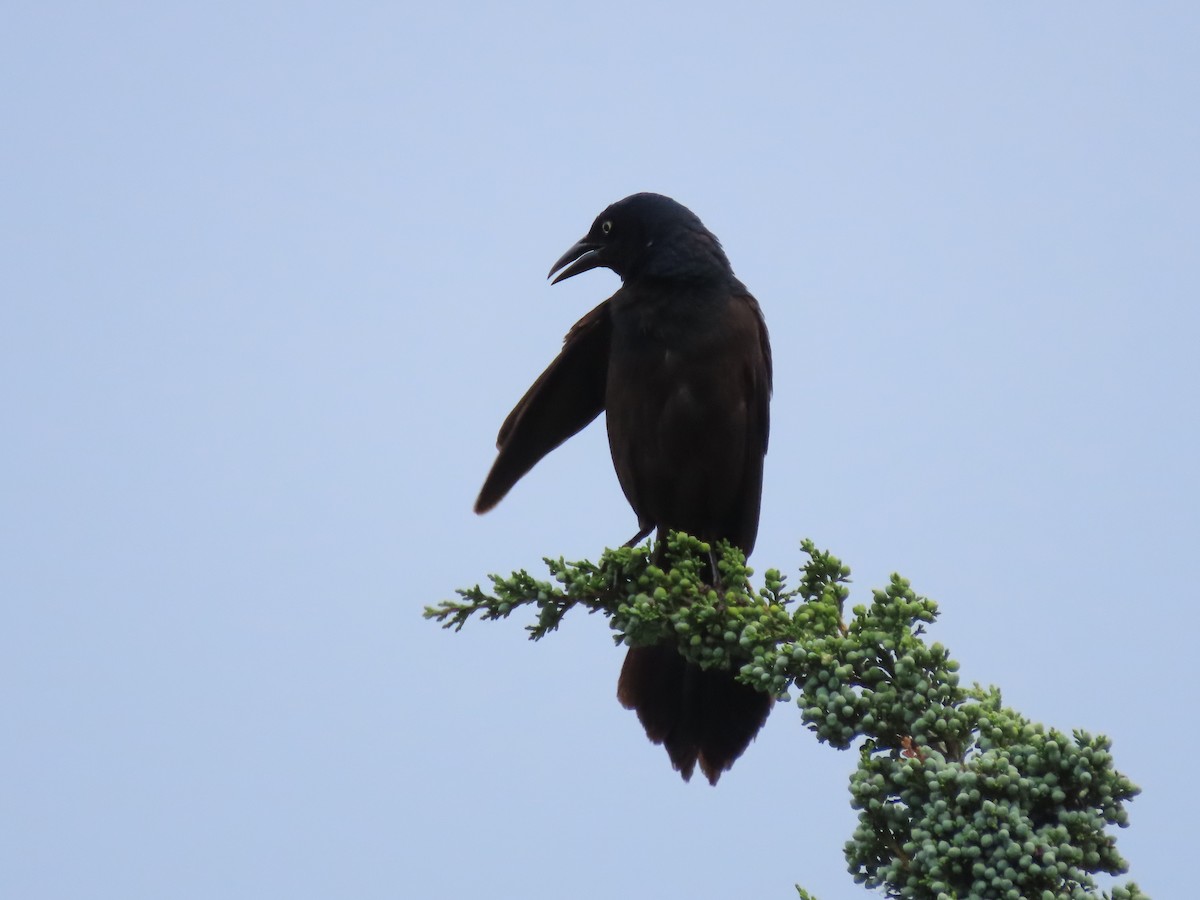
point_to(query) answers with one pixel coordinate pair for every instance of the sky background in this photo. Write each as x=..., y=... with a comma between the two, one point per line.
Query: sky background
x=273, y=274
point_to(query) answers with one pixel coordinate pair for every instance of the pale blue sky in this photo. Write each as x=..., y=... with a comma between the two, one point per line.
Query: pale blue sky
x=273, y=274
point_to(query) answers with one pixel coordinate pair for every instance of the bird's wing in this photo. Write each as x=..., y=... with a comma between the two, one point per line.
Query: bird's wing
x=564, y=399
x=764, y=376
x=757, y=376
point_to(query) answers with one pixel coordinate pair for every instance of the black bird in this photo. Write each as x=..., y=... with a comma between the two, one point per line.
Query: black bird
x=679, y=359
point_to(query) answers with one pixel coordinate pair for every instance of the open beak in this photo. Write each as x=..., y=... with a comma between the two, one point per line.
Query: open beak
x=582, y=256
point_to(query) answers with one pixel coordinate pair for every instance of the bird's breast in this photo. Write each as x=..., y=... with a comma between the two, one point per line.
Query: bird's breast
x=662, y=388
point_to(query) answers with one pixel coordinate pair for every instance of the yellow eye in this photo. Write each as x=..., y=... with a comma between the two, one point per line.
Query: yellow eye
x=606, y=226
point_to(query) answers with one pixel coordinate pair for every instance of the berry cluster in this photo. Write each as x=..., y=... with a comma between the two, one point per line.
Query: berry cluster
x=957, y=795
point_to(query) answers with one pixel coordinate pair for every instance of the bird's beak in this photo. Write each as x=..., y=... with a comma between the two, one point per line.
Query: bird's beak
x=582, y=256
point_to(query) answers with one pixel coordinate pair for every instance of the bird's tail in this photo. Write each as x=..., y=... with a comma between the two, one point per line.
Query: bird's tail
x=699, y=716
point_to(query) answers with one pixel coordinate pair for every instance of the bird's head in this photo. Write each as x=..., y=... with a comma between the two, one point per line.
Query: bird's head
x=645, y=235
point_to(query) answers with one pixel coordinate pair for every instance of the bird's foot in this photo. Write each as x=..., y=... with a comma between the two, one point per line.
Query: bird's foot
x=639, y=537
x=716, y=571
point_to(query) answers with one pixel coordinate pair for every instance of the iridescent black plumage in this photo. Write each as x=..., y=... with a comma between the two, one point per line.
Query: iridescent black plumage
x=680, y=361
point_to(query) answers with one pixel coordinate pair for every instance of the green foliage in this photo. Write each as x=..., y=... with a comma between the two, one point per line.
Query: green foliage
x=957, y=795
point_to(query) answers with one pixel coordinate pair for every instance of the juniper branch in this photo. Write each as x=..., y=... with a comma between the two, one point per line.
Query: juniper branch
x=958, y=795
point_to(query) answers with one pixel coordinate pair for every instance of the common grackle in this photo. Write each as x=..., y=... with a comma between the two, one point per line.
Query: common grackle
x=680, y=361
